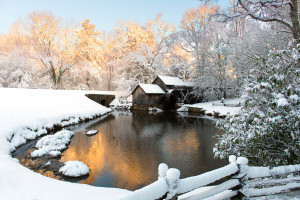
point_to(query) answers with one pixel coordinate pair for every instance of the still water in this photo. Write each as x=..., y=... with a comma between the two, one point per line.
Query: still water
x=129, y=147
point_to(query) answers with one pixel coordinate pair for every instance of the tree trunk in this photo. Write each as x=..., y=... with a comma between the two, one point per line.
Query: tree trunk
x=295, y=19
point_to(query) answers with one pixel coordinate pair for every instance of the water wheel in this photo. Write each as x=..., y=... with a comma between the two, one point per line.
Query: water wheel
x=171, y=100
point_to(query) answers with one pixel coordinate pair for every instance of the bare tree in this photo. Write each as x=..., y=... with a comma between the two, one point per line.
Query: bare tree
x=282, y=12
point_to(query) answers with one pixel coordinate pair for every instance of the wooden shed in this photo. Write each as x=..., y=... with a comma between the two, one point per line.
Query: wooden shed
x=148, y=95
x=178, y=90
x=164, y=93
x=169, y=82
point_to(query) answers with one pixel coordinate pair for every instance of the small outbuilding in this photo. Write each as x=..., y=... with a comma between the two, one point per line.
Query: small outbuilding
x=148, y=95
x=163, y=93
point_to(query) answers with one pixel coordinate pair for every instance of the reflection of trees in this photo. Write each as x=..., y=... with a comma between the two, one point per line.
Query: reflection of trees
x=131, y=147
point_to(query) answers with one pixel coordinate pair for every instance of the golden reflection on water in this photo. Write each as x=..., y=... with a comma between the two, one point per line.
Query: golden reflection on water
x=181, y=145
x=100, y=152
x=128, y=149
x=88, y=151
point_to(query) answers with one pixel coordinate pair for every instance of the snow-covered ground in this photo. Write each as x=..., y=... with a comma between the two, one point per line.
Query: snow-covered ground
x=230, y=106
x=26, y=114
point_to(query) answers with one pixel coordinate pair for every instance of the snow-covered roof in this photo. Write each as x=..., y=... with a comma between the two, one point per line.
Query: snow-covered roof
x=189, y=84
x=151, y=89
x=169, y=80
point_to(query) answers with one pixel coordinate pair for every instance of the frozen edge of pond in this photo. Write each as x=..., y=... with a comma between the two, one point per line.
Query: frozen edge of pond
x=29, y=117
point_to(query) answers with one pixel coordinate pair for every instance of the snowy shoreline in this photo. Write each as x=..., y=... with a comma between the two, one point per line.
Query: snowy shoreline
x=25, y=115
x=216, y=108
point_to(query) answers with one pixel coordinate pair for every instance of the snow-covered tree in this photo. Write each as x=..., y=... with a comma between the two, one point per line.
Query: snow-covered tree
x=15, y=71
x=284, y=13
x=195, y=38
x=267, y=129
x=51, y=45
x=137, y=69
x=143, y=52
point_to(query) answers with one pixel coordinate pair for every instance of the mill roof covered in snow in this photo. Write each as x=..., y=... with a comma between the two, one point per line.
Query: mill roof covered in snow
x=169, y=80
x=150, y=89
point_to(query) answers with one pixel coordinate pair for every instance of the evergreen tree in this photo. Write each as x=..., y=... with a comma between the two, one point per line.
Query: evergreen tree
x=267, y=129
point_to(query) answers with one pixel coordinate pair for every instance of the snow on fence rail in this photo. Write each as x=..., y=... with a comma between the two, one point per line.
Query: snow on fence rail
x=274, y=185
x=194, y=182
x=258, y=172
x=238, y=173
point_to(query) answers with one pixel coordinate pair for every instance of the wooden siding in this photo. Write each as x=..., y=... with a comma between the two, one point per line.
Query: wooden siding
x=139, y=97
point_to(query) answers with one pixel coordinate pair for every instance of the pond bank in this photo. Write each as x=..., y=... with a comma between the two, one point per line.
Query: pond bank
x=27, y=114
x=217, y=109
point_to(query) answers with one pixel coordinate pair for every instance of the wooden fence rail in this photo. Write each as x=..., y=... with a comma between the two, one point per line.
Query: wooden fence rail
x=238, y=179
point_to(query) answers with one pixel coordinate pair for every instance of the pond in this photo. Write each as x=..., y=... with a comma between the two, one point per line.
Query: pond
x=129, y=147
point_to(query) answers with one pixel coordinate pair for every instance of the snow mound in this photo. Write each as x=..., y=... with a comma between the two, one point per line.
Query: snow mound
x=52, y=144
x=55, y=153
x=92, y=132
x=74, y=169
x=183, y=109
x=150, y=109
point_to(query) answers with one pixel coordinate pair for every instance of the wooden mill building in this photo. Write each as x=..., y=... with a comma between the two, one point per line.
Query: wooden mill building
x=163, y=93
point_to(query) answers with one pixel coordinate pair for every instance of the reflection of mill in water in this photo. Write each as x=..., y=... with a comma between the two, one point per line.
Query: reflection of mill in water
x=129, y=146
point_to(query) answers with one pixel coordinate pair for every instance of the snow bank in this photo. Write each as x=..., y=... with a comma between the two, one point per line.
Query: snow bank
x=26, y=114
x=52, y=144
x=150, y=109
x=228, y=107
x=91, y=132
x=183, y=109
x=74, y=169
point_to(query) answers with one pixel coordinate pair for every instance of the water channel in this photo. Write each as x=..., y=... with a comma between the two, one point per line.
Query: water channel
x=130, y=145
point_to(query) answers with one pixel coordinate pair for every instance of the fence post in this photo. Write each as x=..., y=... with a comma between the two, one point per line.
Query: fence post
x=162, y=170
x=242, y=163
x=232, y=159
x=172, y=176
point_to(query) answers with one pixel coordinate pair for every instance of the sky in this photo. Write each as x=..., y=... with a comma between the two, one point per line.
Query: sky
x=103, y=13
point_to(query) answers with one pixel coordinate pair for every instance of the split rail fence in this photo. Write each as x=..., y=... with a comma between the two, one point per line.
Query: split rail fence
x=238, y=181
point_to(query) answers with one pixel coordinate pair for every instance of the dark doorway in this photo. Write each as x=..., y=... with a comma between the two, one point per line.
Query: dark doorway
x=103, y=102
x=170, y=101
